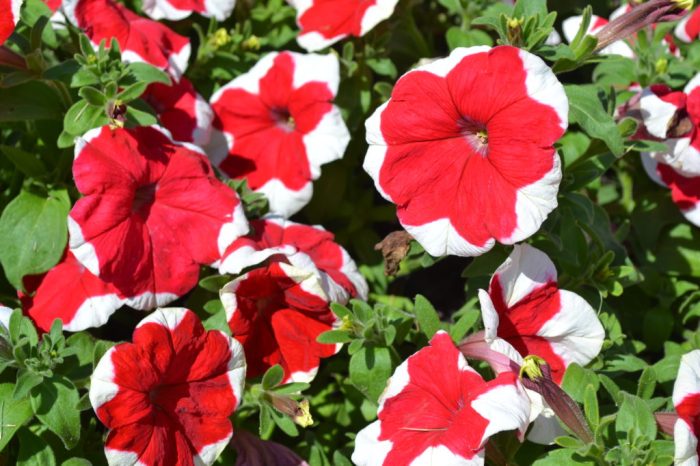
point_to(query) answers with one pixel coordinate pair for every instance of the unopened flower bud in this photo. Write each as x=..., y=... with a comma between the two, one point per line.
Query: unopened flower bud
x=666, y=422
x=298, y=411
x=251, y=43
x=221, y=37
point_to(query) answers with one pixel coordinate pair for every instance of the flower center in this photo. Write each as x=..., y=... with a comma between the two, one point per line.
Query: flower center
x=475, y=134
x=144, y=198
x=284, y=119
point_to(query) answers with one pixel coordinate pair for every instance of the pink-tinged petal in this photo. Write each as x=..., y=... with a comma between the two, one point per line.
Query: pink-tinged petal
x=685, y=191
x=686, y=400
x=69, y=292
x=140, y=39
x=182, y=111
x=160, y=198
x=325, y=22
x=659, y=105
x=276, y=125
x=276, y=313
x=9, y=17
x=167, y=396
x=306, y=247
x=179, y=9
x=689, y=27
x=440, y=156
x=436, y=406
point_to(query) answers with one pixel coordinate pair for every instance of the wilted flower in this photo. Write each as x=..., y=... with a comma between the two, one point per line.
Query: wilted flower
x=464, y=148
x=686, y=400
x=325, y=22
x=181, y=110
x=167, y=396
x=180, y=9
x=9, y=17
x=152, y=212
x=90, y=302
x=436, y=410
x=140, y=39
x=306, y=247
x=277, y=312
x=276, y=125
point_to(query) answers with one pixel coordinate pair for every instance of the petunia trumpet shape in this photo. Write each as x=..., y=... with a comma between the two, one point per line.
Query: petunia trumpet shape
x=303, y=246
x=686, y=400
x=182, y=111
x=179, y=9
x=276, y=125
x=277, y=312
x=9, y=17
x=685, y=189
x=438, y=410
x=152, y=212
x=325, y=22
x=688, y=28
x=167, y=397
x=140, y=39
x=464, y=148
x=89, y=303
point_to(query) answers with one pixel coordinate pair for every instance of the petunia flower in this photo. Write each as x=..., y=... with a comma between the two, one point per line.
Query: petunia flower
x=167, y=397
x=303, y=246
x=660, y=106
x=686, y=400
x=276, y=125
x=5, y=314
x=688, y=28
x=152, y=212
x=685, y=188
x=277, y=312
x=89, y=303
x=571, y=25
x=436, y=410
x=456, y=149
x=9, y=17
x=140, y=39
x=179, y=9
x=181, y=110
x=325, y=22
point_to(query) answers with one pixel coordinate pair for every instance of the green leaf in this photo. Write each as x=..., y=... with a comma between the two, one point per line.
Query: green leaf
x=76, y=462
x=82, y=117
x=132, y=92
x=590, y=407
x=92, y=96
x=647, y=383
x=426, y=316
x=370, y=368
x=265, y=423
x=29, y=164
x=34, y=233
x=30, y=101
x=576, y=379
x=33, y=451
x=145, y=73
x=26, y=380
x=564, y=457
x=13, y=414
x=586, y=109
x=526, y=8
x=273, y=377
x=214, y=283
x=291, y=388
x=334, y=336
x=382, y=66
x=54, y=404
x=635, y=415
x=285, y=423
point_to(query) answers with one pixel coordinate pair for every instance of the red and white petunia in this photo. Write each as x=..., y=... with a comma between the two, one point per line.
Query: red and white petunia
x=436, y=410
x=571, y=25
x=277, y=312
x=688, y=28
x=455, y=148
x=152, y=212
x=525, y=313
x=181, y=110
x=140, y=39
x=167, y=397
x=685, y=188
x=303, y=246
x=179, y=9
x=325, y=22
x=686, y=401
x=5, y=314
x=659, y=105
x=276, y=125
x=9, y=17
x=89, y=303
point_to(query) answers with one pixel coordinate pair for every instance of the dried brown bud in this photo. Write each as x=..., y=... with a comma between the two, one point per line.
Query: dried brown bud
x=394, y=248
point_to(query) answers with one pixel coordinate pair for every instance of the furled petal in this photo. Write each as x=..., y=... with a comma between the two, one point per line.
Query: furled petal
x=182, y=111
x=437, y=408
x=69, y=292
x=168, y=395
x=140, y=39
x=571, y=25
x=305, y=247
x=277, y=312
x=152, y=212
x=325, y=22
x=454, y=149
x=8, y=18
x=179, y=9
x=686, y=400
x=276, y=125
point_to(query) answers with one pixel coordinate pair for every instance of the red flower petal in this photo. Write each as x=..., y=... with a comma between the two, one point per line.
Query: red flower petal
x=168, y=395
x=152, y=212
x=178, y=9
x=686, y=400
x=685, y=191
x=277, y=312
x=455, y=149
x=9, y=17
x=689, y=27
